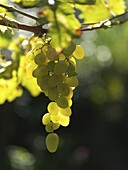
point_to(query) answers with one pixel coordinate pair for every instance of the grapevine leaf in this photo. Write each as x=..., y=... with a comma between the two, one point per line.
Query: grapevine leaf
x=116, y=7
x=26, y=3
x=101, y=10
x=5, y=37
x=64, y=24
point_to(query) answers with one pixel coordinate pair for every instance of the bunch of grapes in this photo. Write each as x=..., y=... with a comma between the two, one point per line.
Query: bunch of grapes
x=57, y=78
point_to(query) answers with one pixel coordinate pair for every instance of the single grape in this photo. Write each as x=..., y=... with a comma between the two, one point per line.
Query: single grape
x=40, y=58
x=52, y=142
x=62, y=102
x=49, y=127
x=70, y=102
x=53, y=108
x=29, y=69
x=56, y=126
x=56, y=118
x=71, y=81
x=46, y=119
x=52, y=93
x=54, y=80
x=79, y=52
x=64, y=121
x=29, y=56
x=52, y=54
x=43, y=82
x=63, y=89
x=69, y=50
x=72, y=60
x=60, y=67
x=37, y=48
x=40, y=71
x=62, y=57
x=65, y=112
x=71, y=71
x=70, y=95
x=50, y=66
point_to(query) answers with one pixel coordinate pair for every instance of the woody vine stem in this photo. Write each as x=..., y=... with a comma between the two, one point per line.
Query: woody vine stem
x=38, y=29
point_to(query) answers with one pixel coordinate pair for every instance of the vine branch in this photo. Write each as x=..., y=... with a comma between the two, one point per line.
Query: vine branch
x=13, y=9
x=116, y=20
x=6, y=21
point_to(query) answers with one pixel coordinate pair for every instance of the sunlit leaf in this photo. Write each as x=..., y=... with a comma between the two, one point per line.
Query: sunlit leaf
x=101, y=10
x=26, y=3
x=64, y=24
x=117, y=7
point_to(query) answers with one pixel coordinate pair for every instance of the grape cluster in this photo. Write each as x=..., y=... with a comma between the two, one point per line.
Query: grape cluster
x=57, y=78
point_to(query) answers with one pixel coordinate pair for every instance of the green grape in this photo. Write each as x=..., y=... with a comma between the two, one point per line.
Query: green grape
x=70, y=95
x=46, y=119
x=56, y=118
x=62, y=102
x=62, y=57
x=72, y=60
x=52, y=54
x=53, y=108
x=56, y=126
x=49, y=127
x=71, y=70
x=69, y=50
x=71, y=81
x=40, y=71
x=50, y=66
x=54, y=80
x=29, y=56
x=65, y=112
x=44, y=49
x=46, y=92
x=64, y=121
x=63, y=89
x=29, y=69
x=52, y=93
x=37, y=48
x=40, y=58
x=43, y=82
x=52, y=142
x=79, y=52
x=70, y=102
x=60, y=67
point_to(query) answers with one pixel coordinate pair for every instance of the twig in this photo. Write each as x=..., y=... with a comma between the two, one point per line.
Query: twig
x=116, y=20
x=6, y=21
x=13, y=9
